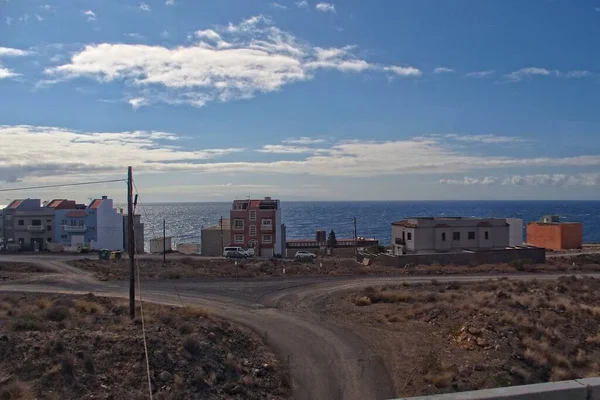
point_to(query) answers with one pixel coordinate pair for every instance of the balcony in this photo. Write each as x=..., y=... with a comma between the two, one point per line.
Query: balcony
x=266, y=228
x=237, y=228
x=400, y=242
x=35, y=228
x=75, y=228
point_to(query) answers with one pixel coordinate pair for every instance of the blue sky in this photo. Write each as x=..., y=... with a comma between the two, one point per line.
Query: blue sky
x=303, y=100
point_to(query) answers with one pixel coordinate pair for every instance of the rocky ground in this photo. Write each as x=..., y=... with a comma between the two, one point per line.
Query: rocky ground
x=15, y=270
x=452, y=337
x=74, y=347
x=195, y=267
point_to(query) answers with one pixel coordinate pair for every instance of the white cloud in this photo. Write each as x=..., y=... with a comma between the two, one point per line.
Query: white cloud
x=134, y=35
x=55, y=59
x=46, y=7
x=302, y=4
x=304, y=140
x=144, y=7
x=24, y=18
x=91, y=16
x=578, y=74
x=530, y=71
x=7, y=73
x=325, y=7
x=8, y=20
x=165, y=34
x=280, y=6
x=441, y=70
x=39, y=17
x=283, y=149
x=479, y=74
x=403, y=71
x=169, y=2
x=225, y=63
x=583, y=179
x=10, y=52
x=489, y=138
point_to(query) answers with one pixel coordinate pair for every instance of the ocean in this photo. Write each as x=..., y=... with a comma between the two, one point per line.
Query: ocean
x=185, y=220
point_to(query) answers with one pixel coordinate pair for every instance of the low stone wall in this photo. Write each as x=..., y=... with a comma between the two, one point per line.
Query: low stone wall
x=337, y=251
x=534, y=255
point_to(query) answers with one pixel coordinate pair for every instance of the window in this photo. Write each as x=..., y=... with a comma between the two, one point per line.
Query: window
x=81, y=223
x=487, y=235
x=471, y=235
x=36, y=222
x=21, y=241
x=252, y=215
x=63, y=222
x=239, y=238
x=266, y=222
x=49, y=228
x=443, y=236
x=21, y=222
x=266, y=238
x=238, y=224
x=408, y=236
x=73, y=222
x=455, y=235
x=64, y=236
x=252, y=230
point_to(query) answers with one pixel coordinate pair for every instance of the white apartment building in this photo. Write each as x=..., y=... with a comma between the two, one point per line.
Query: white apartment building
x=446, y=234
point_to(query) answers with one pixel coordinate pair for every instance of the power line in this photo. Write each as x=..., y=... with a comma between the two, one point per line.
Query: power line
x=62, y=185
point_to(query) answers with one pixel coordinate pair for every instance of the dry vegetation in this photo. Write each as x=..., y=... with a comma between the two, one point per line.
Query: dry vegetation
x=73, y=347
x=465, y=336
x=16, y=270
x=195, y=267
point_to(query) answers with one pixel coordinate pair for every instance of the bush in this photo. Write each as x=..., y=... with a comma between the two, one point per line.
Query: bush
x=363, y=301
x=57, y=313
x=26, y=322
x=192, y=345
x=88, y=363
x=185, y=329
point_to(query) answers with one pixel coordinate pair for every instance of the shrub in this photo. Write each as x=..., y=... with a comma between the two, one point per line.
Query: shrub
x=192, y=345
x=363, y=301
x=88, y=363
x=27, y=322
x=185, y=329
x=67, y=366
x=16, y=390
x=57, y=313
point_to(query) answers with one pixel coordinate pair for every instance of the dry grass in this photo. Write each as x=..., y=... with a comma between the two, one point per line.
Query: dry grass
x=15, y=390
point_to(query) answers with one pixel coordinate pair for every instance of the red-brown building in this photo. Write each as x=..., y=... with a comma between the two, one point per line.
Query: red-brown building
x=257, y=224
x=554, y=235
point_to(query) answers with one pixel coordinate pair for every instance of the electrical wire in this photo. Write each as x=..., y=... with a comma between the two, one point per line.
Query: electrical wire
x=62, y=185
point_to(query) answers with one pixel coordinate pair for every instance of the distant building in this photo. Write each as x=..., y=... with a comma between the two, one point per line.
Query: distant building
x=552, y=234
x=138, y=231
x=515, y=231
x=257, y=224
x=27, y=225
x=156, y=244
x=445, y=234
x=214, y=238
x=96, y=226
x=343, y=247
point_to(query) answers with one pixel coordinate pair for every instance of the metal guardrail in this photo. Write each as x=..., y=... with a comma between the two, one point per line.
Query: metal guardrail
x=579, y=389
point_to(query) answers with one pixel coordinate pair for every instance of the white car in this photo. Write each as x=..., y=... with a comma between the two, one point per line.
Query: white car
x=305, y=255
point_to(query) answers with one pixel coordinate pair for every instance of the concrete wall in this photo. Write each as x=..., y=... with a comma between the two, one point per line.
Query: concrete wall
x=535, y=254
x=579, y=389
x=156, y=244
x=337, y=252
x=571, y=234
x=210, y=241
x=515, y=231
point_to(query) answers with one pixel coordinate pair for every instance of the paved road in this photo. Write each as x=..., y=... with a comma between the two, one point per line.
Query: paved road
x=326, y=360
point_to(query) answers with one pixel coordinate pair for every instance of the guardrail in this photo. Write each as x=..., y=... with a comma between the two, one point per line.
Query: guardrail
x=578, y=389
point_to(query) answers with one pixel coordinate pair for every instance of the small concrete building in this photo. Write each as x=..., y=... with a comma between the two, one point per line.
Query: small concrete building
x=515, y=231
x=552, y=234
x=446, y=234
x=138, y=231
x=214, y=238
x=156, y=244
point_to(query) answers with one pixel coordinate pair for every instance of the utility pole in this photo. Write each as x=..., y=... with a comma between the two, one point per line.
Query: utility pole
x=131, y=242
x=164, y=242
x=355, y=239
x=221, y=226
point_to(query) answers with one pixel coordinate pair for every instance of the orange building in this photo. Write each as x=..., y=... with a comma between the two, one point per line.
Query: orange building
x=555, y=235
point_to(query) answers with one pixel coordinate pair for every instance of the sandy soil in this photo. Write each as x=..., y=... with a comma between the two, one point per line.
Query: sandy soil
x=192, y=267
x=73, y=347
x=15, y=270
x=450, y=337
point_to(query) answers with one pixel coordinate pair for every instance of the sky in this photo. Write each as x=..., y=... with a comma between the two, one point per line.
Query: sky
x=301, y=100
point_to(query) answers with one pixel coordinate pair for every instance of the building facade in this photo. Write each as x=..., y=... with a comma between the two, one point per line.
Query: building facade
x=214, y=238
x=515, y=231
x=138, y=232
x=433, y=235
x=257, y=224
x=27, y=225
x=552, y=234
x=96, y=226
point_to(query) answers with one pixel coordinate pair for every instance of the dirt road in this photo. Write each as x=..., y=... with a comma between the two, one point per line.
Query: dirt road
x=327, y=361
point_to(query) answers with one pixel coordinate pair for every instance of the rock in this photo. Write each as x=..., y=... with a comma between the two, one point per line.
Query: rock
x=233, y=389
x=474, y=331
x=482, y=342
x=3, y=338
x=463, y=369
x=246, y=363
x=497, y=347
x=165, y=376
x=479, y=367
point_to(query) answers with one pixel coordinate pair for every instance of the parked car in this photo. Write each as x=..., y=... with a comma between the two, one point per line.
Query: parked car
x=236, y=254
x=238, y=249
x=305, y=255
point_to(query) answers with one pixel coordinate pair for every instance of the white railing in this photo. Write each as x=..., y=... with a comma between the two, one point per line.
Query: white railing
x=266, y=228
x=35, y=228
x=74, y=228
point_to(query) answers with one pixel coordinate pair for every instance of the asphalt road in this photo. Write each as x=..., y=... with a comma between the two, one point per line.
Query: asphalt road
x=326, y=360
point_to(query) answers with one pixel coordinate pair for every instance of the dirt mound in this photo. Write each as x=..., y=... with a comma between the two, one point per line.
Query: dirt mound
x=15, y=270
x=72, y=347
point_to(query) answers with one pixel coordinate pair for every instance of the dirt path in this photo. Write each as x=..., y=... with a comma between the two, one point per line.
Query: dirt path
x=327, y=361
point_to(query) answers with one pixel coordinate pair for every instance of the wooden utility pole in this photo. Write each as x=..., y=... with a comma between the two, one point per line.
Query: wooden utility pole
x=221, y=226
x=164, y=242
x=131, y=242
x=355, y=239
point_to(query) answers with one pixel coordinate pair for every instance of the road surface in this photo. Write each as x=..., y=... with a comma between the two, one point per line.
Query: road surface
x=326, y=360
